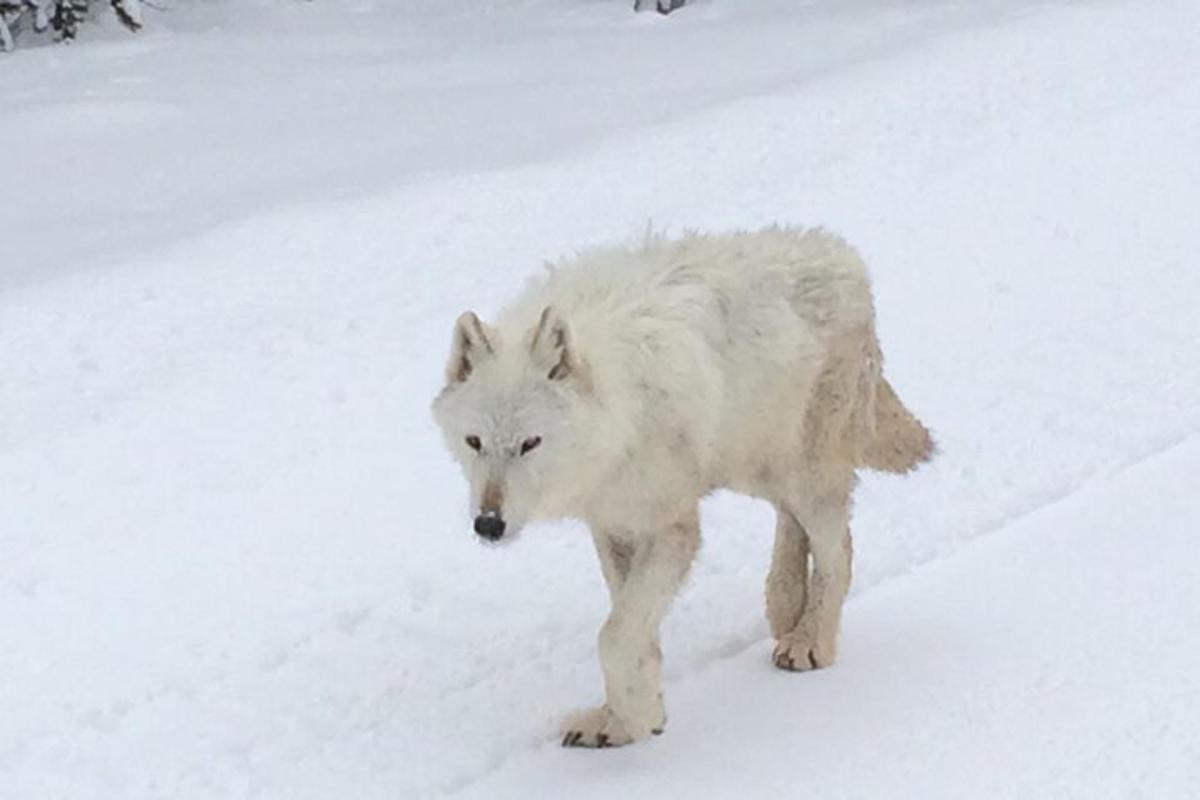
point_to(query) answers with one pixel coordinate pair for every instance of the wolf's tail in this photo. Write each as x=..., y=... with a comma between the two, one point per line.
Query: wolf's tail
x=892, y=440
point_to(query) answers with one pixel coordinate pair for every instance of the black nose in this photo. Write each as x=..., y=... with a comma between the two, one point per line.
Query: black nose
x=489, y=527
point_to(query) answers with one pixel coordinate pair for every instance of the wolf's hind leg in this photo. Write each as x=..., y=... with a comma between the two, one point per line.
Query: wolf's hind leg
x=812, y=643
x=787, y=582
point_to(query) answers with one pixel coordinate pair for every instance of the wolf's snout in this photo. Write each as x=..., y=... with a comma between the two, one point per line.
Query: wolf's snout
x=489, y=526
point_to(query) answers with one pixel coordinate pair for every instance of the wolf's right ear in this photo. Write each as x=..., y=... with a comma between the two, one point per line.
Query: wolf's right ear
x=552, y=346
x=473, y=343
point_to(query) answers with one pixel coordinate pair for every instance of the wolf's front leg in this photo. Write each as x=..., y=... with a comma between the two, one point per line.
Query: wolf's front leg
x=616, y=556
x=629, y=650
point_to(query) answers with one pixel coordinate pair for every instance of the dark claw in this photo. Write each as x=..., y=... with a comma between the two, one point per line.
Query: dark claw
x=656, y=731
x=572, y=738
x=601, y=740
x=812, y=659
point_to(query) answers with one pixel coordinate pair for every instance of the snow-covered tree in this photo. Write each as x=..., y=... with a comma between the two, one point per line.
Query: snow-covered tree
x=61, y=16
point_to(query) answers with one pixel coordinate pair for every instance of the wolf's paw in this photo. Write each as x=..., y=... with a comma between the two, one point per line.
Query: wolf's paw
x=799, y=652
x=597, y=727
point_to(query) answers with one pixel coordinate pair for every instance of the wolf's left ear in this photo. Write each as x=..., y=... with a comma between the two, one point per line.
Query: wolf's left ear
x=552, y=346
x=473, y=343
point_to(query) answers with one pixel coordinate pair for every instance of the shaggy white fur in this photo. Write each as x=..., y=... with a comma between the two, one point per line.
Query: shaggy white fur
x=625, y=384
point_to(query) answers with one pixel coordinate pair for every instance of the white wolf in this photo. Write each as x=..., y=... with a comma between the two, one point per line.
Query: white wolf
x=623, y=386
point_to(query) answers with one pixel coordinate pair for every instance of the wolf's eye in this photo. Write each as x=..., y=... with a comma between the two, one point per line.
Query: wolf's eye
x=474, y=443
x=530, y=443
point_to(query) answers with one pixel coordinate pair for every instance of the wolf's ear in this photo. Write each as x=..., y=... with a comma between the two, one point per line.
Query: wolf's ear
x=552, y=347
x=473, y=343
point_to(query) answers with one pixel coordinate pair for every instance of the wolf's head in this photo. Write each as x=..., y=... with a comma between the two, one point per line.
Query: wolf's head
x=507, y=413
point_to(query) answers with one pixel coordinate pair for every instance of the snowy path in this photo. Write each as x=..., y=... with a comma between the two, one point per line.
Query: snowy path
x=233, y=559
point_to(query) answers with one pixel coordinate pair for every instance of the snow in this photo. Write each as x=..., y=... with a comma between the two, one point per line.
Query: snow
x=234, y=559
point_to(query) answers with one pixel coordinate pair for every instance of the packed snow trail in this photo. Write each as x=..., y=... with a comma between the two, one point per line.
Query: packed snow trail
x=234, y=559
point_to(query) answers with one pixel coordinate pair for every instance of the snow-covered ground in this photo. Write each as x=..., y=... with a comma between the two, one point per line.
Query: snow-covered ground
x=235, y=562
